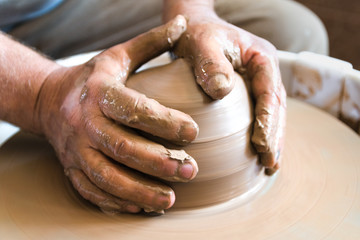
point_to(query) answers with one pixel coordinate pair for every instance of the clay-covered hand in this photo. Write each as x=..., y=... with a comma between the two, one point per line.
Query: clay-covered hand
x=215, y=49
x=89, y=116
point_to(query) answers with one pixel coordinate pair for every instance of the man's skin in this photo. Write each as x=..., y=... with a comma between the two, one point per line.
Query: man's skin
x=87, y=113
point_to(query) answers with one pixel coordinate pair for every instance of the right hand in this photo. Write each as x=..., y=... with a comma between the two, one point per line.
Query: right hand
x=216, y=49
x=87, y=114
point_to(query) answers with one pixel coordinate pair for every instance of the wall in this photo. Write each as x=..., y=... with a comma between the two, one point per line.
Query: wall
x=342, y=20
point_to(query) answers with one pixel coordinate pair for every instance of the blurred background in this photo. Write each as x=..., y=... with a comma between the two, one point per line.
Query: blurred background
x=342, y=21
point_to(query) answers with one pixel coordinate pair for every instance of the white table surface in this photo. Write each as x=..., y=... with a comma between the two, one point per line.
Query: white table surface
x=6, y=131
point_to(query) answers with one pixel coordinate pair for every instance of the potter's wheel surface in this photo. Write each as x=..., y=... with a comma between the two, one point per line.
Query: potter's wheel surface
x=316, y=194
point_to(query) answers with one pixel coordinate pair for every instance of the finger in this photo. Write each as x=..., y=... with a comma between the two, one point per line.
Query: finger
x=213, y=70
x=92, y=193
x=272, y=170
x=271, y=157
x=150, y=44
x=266, y=112
x=135, y=110
x=270, y=103
x=134, y=151
x=125, y=183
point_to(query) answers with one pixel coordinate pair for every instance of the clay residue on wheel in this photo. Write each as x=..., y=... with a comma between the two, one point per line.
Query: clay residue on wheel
x=310, y=81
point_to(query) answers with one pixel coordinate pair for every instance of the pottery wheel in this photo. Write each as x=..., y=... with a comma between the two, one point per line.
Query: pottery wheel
x=316, y=194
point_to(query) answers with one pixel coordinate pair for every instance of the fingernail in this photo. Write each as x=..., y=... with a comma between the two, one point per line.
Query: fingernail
x=187, y=171
x=180, y=22
x=271, y=171
x=219, y=86
x=166, y=200
x=189, y=131
x=177, y=27
x=172, y=199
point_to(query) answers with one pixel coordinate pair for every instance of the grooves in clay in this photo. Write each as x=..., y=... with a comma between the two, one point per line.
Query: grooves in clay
x=316, y=195
x=228, y=166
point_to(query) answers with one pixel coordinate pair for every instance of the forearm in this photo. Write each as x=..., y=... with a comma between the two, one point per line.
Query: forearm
x=188, y=8
x=22, y=72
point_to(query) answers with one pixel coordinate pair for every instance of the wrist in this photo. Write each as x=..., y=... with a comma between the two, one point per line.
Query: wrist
x=44, y=98
x=22, y=73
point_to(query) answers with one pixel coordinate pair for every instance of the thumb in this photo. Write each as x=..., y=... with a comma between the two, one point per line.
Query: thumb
x=213, y=71
x=148, y=45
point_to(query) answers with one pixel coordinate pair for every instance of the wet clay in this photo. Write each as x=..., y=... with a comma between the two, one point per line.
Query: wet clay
x=315, y=195
x=228, y=166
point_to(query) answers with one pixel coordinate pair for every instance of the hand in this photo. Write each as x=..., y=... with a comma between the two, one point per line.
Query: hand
x=215, y=49
x=88, y=114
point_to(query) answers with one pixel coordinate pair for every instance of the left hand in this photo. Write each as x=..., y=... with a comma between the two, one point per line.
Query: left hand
x=88, y=115
x=215, y=49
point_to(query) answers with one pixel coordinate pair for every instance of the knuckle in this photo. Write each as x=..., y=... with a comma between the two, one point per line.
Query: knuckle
x=163, y=170
x=97, y=133
x=141, y=107
x=127, y=108
x=132, y=120
x=104, y=174
x=205, y=65
x=84, y=94
x=91, y=63
x=132, y=109
x=115, y=101
x=121, y=147
x=95, y=63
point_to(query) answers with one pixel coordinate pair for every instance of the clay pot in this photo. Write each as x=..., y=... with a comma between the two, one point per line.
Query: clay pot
x=228, y=165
